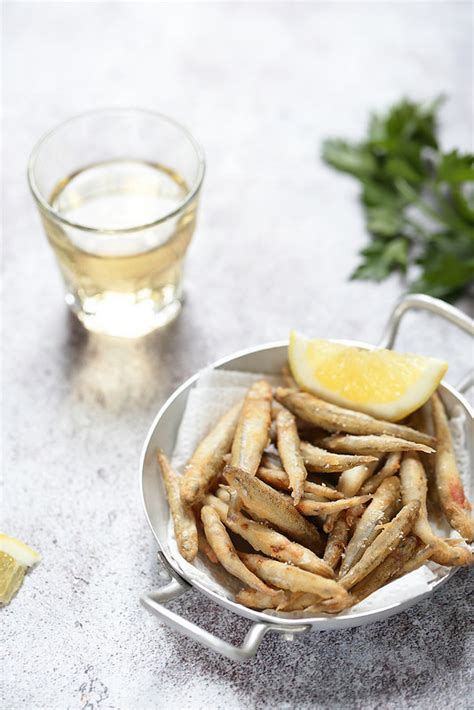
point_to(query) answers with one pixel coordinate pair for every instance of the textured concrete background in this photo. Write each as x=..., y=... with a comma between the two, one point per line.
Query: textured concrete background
x=260, y=86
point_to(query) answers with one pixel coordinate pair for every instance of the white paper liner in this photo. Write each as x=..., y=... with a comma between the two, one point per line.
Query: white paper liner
x=216, y=391
x=234, y=378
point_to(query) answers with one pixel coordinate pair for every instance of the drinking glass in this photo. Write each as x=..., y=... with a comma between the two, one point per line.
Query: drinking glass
x=117, y=192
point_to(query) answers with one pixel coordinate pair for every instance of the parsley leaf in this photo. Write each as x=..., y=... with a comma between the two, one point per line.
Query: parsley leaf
x=448, y=265
x=348, y=158
x=418, y=200
x=381, y=259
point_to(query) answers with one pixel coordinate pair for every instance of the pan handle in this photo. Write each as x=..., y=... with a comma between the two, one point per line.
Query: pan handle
x=154, y=602
x=418, y=301
x=465, y=383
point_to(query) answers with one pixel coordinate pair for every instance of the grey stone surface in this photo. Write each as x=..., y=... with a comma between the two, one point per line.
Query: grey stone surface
x=260, y=85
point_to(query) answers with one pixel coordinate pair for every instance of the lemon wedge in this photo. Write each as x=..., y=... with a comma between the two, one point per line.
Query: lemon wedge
x=382, y=383
x=15, y=558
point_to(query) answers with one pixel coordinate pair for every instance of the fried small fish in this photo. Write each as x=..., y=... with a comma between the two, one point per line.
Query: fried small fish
x=320, y=460
x=270, y=505
x=386, y=571
x=307, y=506
x=259, y=600
x=450, y=489
x=337, y=541
x=292, y=578
x=207, y=460
x=390, y=468
x=225, y=552
x=349, y=484
x=390, y=537
x=183, y=518
x=333, y=418
x=288, y=443
x=414, y=487
x=371, y=444
x=272, y=543
x=279, y=479
x=421, y=555
x=381, y=509
x=252, y=434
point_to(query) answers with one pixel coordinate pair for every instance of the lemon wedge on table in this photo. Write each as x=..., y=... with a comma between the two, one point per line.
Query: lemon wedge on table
x=382, y=383
x=15, y=558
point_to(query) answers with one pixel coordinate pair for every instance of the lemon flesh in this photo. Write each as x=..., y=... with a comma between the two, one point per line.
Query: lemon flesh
x=15, y=558
x=385, y=384
x=11, y=577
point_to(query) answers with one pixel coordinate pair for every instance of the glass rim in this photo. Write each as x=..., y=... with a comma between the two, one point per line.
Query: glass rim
x=44, y=204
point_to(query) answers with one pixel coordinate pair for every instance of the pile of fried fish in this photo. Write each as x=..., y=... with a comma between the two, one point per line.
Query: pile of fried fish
x=313, y=506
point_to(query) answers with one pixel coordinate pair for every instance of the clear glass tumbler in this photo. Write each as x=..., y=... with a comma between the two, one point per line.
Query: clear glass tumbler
x=118, y=191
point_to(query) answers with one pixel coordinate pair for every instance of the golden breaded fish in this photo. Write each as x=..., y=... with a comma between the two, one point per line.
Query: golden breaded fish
x=414, y=487
x=322, y=461
x=252, y=434
x=291, y=578
x=390, y=537
x=268, y=504
x=288, y=443
x=207, y=460
x=272, y=543
x=448, y=481
x=382, y=508
x=372, y=444
x=334, y=418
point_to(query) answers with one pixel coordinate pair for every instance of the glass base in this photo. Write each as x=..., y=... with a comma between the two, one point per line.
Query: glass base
x=123, y=315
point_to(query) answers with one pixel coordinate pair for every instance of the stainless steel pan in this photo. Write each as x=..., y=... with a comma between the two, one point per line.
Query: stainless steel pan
x=269, y=359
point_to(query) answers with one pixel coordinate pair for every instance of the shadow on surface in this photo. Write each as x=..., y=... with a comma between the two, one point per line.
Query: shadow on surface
x=119, y=373
x=391, y=662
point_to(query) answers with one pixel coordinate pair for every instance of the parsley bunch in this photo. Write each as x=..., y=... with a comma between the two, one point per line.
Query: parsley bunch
x=418, y=201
